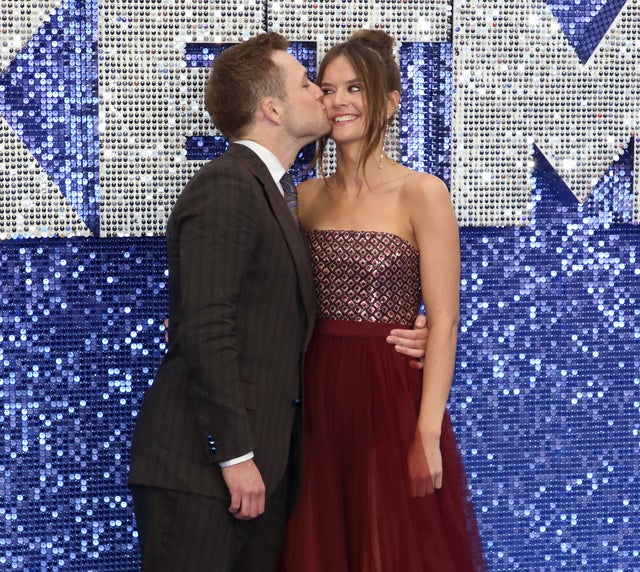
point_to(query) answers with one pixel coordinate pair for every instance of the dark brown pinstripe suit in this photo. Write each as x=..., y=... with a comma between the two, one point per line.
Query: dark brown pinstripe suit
x=241, y=310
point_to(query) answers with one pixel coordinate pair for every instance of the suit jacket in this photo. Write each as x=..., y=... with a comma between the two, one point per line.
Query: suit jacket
x=241, y=311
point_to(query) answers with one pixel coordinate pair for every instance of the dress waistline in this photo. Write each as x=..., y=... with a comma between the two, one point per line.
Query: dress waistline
x=352, y=328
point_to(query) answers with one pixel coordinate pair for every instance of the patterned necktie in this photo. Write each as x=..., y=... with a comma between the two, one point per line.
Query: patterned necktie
x=290, y=194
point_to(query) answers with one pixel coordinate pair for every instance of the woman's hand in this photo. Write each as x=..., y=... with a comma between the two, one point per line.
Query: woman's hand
x=424, y=465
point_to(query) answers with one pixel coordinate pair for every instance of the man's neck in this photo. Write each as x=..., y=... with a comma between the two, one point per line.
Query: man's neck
x=281, y=149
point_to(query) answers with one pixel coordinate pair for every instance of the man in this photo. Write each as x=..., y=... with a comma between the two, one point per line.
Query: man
x=216, y=442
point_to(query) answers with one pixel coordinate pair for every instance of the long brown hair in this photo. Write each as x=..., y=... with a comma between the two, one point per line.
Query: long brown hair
x=370, y=52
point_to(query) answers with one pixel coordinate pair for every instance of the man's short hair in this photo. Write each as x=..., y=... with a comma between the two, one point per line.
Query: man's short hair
x=240, y=77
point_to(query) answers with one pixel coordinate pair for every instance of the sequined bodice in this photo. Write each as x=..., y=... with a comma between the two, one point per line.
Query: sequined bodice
x=365, y=276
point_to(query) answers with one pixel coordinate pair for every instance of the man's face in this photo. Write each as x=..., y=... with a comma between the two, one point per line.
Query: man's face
x=305, y=117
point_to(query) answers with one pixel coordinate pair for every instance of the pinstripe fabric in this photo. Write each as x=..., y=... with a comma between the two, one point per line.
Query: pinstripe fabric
x=193, y=533
x=241, y=307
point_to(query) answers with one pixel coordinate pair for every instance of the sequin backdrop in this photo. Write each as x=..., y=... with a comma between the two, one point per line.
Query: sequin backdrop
x=527, y=109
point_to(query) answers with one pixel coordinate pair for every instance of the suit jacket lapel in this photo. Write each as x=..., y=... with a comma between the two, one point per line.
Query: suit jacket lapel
x=290, y=229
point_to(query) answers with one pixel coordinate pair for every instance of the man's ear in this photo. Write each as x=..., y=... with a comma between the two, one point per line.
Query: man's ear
x=271, y=109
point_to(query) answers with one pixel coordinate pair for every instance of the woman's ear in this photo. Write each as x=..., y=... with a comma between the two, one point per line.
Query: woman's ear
x=393, y=101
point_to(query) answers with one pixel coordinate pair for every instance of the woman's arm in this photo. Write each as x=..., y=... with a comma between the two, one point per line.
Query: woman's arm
x=436, y=231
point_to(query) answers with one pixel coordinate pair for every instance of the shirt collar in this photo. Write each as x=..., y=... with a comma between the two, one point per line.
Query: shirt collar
x=267, y=157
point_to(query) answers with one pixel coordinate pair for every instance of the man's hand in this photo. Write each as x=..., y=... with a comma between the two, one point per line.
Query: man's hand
x=412, y=342
x=247, y=490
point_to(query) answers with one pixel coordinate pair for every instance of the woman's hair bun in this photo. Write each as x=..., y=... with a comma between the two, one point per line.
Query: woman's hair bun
x=376, y=39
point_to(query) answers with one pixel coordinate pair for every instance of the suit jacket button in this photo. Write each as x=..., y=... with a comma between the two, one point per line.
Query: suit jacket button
x=296, y=403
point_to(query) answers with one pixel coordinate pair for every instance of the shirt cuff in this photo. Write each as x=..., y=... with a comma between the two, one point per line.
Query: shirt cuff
x=237, y=460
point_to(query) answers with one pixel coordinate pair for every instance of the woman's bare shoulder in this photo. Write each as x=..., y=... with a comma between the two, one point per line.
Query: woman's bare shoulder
x=425, y=189
x=311, y=197
x=425, y=182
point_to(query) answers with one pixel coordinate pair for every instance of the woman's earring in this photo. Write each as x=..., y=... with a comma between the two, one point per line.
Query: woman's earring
x=384, y=140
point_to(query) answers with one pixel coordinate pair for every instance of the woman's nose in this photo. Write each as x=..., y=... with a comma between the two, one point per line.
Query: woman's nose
x=338, y=98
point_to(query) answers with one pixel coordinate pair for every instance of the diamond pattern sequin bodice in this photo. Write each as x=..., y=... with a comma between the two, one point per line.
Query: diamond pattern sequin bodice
x=365, y=276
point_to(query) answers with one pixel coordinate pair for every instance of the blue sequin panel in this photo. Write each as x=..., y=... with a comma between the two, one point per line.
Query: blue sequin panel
x=81, y=336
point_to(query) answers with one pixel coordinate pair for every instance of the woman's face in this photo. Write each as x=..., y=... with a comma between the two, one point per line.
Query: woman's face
x=344, y=101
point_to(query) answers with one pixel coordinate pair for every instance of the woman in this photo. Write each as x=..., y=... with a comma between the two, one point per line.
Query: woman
x=383, y=487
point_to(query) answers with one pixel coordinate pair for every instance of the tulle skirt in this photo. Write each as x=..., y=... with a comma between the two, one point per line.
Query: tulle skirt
x=354, y=512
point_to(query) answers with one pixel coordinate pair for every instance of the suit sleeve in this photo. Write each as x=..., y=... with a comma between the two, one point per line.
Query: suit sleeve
x=217, y=230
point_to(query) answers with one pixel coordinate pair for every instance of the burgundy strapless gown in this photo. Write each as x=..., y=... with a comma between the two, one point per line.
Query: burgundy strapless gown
x=361, y=399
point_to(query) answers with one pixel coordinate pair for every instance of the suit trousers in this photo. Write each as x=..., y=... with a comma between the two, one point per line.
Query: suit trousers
x=185, y=532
